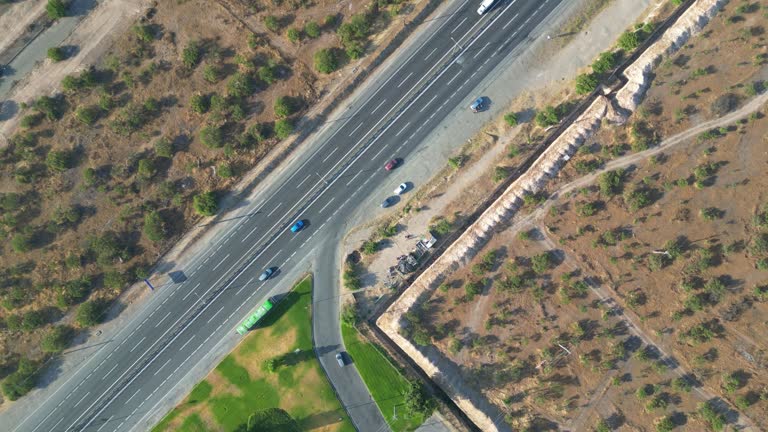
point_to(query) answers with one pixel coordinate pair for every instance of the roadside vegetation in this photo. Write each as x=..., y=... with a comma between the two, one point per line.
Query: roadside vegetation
x=264, y=380
x=103, y=178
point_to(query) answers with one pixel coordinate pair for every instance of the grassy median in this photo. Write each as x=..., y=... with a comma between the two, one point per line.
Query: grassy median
x=245, y=382
x=385, y=382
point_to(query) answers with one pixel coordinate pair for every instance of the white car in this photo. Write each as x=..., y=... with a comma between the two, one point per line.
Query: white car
x=400, y=189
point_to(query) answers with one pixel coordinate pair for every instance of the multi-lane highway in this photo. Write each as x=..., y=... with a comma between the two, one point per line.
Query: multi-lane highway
x=122, y=383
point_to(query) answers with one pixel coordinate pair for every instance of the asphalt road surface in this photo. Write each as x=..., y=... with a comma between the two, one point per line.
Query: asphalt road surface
x=130, y=374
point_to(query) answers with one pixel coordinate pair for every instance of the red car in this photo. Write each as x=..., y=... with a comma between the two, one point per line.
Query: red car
x=391, y=165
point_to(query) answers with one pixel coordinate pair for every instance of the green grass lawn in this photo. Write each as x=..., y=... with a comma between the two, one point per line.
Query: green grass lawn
x=241, y=385
x=386, y=384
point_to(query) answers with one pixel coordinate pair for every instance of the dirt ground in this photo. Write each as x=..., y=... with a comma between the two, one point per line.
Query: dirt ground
x=651, y=302
x=15, y=17
x=114, y=173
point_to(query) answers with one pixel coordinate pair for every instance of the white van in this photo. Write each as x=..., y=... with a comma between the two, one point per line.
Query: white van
x=484, y=6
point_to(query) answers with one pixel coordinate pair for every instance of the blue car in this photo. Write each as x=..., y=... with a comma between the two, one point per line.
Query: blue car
x=297, y=226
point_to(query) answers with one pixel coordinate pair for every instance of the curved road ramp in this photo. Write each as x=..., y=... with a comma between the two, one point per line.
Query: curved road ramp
x=614, y=108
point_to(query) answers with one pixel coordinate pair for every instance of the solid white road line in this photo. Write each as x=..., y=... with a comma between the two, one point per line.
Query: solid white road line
x=358, y=127
x=430, y=54
x=330, y=154
x=481, y=50
x=245, y=285
x=220, y=262
x=378, y=153
x=274, y=209
x=249, y=233
x=57, y=423
x=403, y=81
x=105, y=423
x=459, y=25
x=161, y=321
x=187, y=342
x=137, y=345
x=134, y=395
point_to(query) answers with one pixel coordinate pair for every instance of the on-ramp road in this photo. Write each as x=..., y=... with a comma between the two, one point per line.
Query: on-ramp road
x=120, y=385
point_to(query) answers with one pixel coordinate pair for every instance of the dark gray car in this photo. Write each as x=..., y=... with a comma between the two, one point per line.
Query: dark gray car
x=387, y=202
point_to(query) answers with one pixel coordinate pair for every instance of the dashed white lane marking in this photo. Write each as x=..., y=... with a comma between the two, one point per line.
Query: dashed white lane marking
x=454, y=78
x=427, y=104
x=214, y=315
x=105, y=423
x=481, y=50
x=249, y=234
x=378, y=106
x=510, y=21
x=190, y=291
x=81, y=400
x=404, y=128
x=161, y=367
x=327, y=204
x=355, y=130
x=430, y=54
x=220, y=262
x=302, y=182
x=330, y=154
x=161, y=321
x=353, y=178
x=57, y=423
x=406, y=79
x=186, y=343
x=459, y=25
x=274, y=209
x=245, y=285
x=134, y=395
x=379, y=152
x=137, y=345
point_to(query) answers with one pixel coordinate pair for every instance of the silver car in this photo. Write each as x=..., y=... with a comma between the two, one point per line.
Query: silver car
x=340, y=359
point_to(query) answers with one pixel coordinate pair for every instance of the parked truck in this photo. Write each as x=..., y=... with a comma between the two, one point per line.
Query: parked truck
x=484, y=6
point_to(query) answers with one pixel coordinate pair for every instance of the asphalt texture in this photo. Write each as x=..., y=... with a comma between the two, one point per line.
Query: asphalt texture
x=130, y=374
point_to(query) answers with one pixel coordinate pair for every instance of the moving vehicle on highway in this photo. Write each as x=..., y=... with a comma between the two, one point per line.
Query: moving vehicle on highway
x=298, y=226
x=267, y=273
x=255, y=317
x=478, y=105
x=402, y=188
x=340, y=359
x=391, y=165
x=484, y=6
x=388, y=201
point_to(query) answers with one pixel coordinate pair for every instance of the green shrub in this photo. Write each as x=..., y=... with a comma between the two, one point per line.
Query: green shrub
x=708, y=413
x=89, y=314
x=511, y=119
x=240, y=85
x=154, y=226
x=293, y=35
x=211, y=73
x=146, y=169
x=199, y=104
x=283, y=128
x=283, y=107
x=57, y=160
x=56, y=54
x=115, y=280
x=191, y=55
x=224, y=170
x=21, y=381
x=205, y=204
x=547, y=117
x=56, y=9
x=267, y=74
x=56, y=340
x=629, y=40
x=212, y=137
x=164, y=148
x=272, y=23
x=87, y=115
x=325, y=61
x=143, y=33
x=441, y=226
x=585, y=84
x=542, y=263
x=52, y=108
x=312, y=30
x=605, y=62
x=369, y=247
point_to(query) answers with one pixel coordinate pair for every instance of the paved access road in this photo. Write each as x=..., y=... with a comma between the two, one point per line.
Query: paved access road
x=119, y=385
